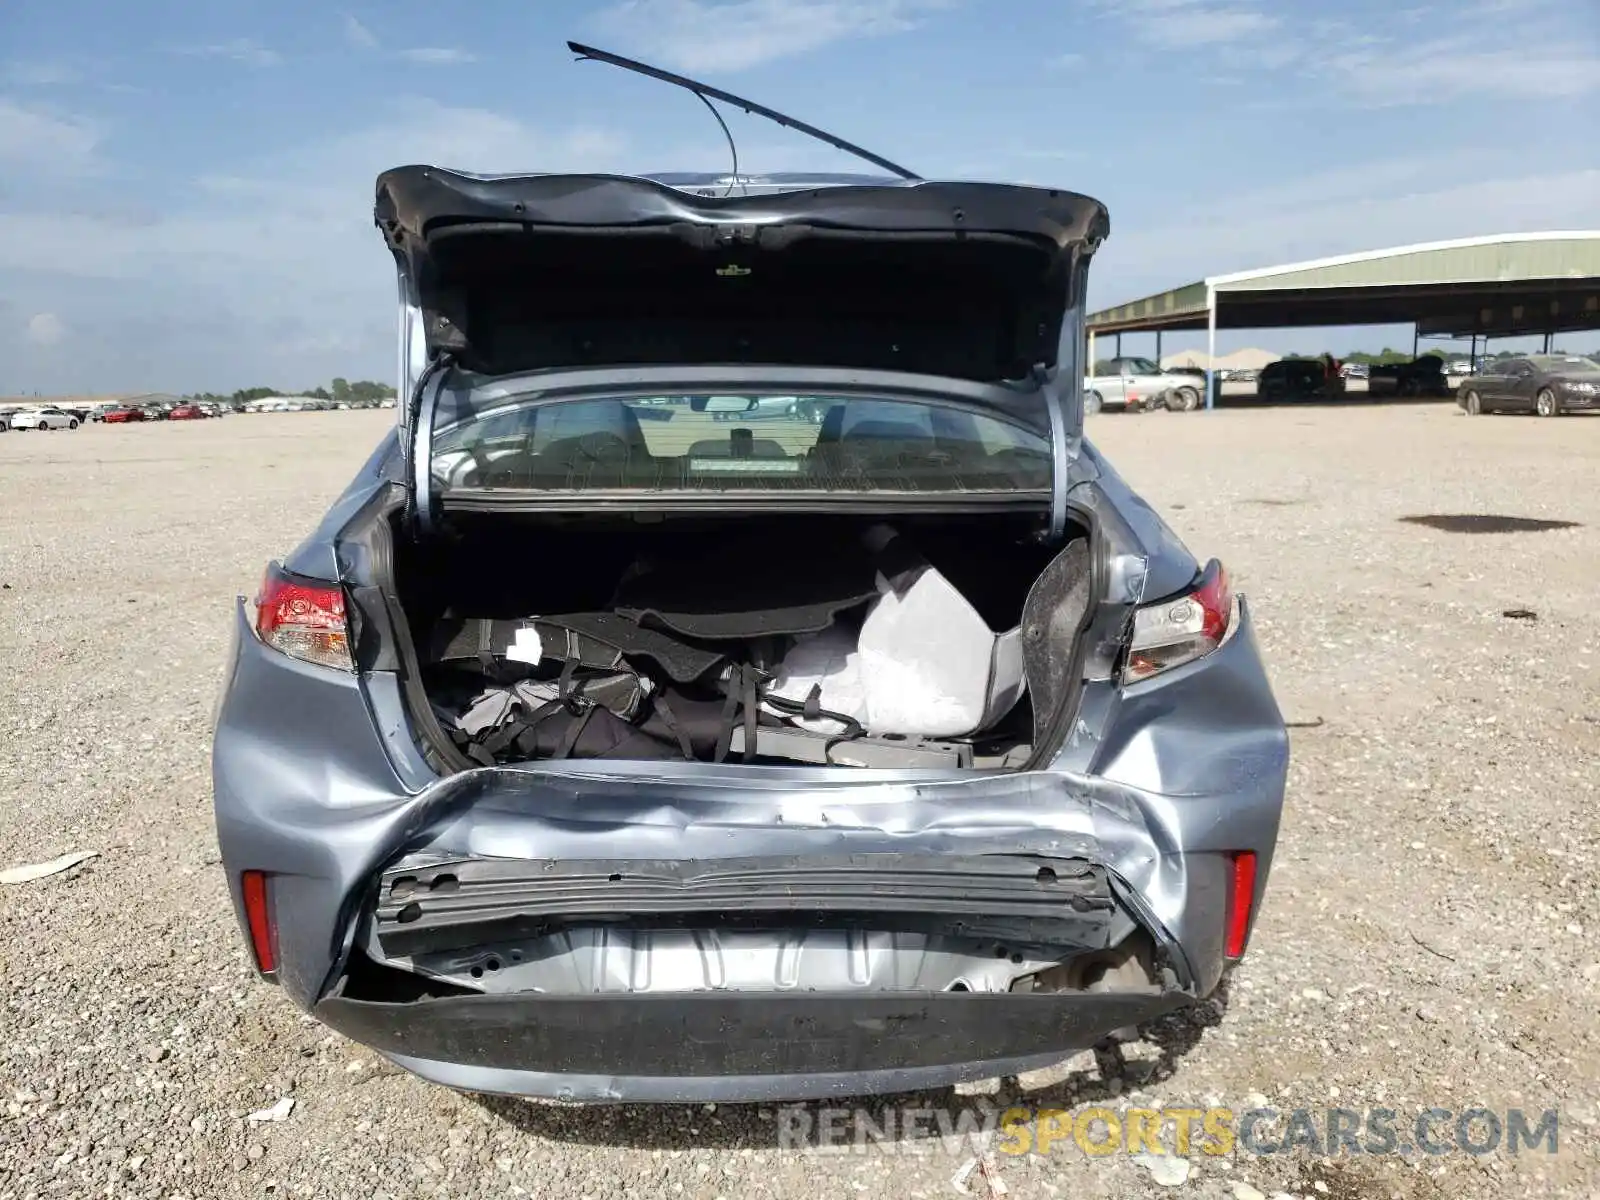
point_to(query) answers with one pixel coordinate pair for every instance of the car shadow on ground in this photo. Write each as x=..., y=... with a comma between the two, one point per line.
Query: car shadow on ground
x=1119, y=1068
x=1346, y=400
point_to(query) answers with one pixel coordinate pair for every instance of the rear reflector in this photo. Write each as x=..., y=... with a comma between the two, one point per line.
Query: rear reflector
x=258, y=917
x=303, y=618
x=1241, y=898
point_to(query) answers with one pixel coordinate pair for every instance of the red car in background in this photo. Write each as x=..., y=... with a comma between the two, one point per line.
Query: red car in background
x=117, y=416
x=187, y=412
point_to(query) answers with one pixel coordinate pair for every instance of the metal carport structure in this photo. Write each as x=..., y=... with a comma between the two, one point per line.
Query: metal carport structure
x=1502, y=286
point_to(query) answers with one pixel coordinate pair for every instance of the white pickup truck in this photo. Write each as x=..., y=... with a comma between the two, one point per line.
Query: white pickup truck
x=1136, y=384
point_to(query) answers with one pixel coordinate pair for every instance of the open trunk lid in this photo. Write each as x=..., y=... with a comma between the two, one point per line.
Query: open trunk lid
x=520, y=273
x=550, y=287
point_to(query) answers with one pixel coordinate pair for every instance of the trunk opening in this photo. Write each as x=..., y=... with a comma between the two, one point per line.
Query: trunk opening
x=850, y=641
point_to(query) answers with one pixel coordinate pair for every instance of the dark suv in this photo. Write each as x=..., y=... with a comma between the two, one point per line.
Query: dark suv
x=1296, y=379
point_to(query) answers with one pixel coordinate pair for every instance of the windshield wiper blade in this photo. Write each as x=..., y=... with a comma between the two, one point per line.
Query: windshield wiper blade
x=704, y=90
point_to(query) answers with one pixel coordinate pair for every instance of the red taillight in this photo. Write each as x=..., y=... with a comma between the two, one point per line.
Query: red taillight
x=1241, y=899
x=1172, y=632
x=258, y=917
x=303, y=618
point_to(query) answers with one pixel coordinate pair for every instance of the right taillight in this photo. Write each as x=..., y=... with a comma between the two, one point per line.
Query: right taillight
x=1181, y=629
x=303, y=618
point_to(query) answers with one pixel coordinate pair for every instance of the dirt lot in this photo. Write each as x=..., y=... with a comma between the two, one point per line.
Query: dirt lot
x=1431, y=935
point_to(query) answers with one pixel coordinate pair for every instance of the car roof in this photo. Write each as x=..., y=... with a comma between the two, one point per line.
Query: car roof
x=1557, y=362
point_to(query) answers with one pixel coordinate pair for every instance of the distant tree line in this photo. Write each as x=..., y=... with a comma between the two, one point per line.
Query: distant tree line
x=341, y=391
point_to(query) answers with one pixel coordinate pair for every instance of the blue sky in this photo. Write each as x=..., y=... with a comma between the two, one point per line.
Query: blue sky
x=185, y=188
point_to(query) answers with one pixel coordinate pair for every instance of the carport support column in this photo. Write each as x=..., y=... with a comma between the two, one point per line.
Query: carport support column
x=1414, y=334
x=1211, y=347
x=1158, y=347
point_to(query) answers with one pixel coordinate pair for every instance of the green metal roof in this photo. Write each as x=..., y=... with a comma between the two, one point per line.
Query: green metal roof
x=1517, y=283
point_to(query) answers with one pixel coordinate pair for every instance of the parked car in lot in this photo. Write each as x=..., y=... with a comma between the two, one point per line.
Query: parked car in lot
x=122, y=414
x=724, y=828
x=1132, y=384
x=1546, y=384
x=1297, y=379
x=43, y=419
x=1423, y=376
x=187, y=412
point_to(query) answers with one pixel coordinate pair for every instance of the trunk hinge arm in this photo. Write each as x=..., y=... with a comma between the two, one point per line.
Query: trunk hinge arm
x=424, y=403
x=1061, y=454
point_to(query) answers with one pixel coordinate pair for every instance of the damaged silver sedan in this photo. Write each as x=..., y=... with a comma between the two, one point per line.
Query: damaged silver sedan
x=737, y=678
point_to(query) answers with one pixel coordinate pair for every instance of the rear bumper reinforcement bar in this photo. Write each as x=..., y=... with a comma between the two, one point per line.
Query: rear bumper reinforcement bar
x=450, y=904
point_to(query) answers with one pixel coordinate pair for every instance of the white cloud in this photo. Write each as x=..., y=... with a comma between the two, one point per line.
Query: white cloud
x=1208, y=24
x=1381, y=61
x=702, y=35
x=438, y=55
x=242, y=50
x=1180, y=23
x=1448, y=69
x=45, y=140
x=155, y=299
x=40, y=74
x=357, y=34
x=45, y=329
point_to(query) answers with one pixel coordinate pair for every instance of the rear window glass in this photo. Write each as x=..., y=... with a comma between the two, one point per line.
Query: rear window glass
x=740, y=442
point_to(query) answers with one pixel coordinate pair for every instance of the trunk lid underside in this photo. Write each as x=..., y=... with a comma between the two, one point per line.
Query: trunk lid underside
x=508, y=274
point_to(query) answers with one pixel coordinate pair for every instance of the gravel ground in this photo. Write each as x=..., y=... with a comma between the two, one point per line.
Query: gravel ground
x=1429, y=935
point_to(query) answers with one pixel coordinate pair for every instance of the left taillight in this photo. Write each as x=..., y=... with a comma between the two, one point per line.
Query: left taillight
x=303, y=618
x=1179, y=630
x=259, y=920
